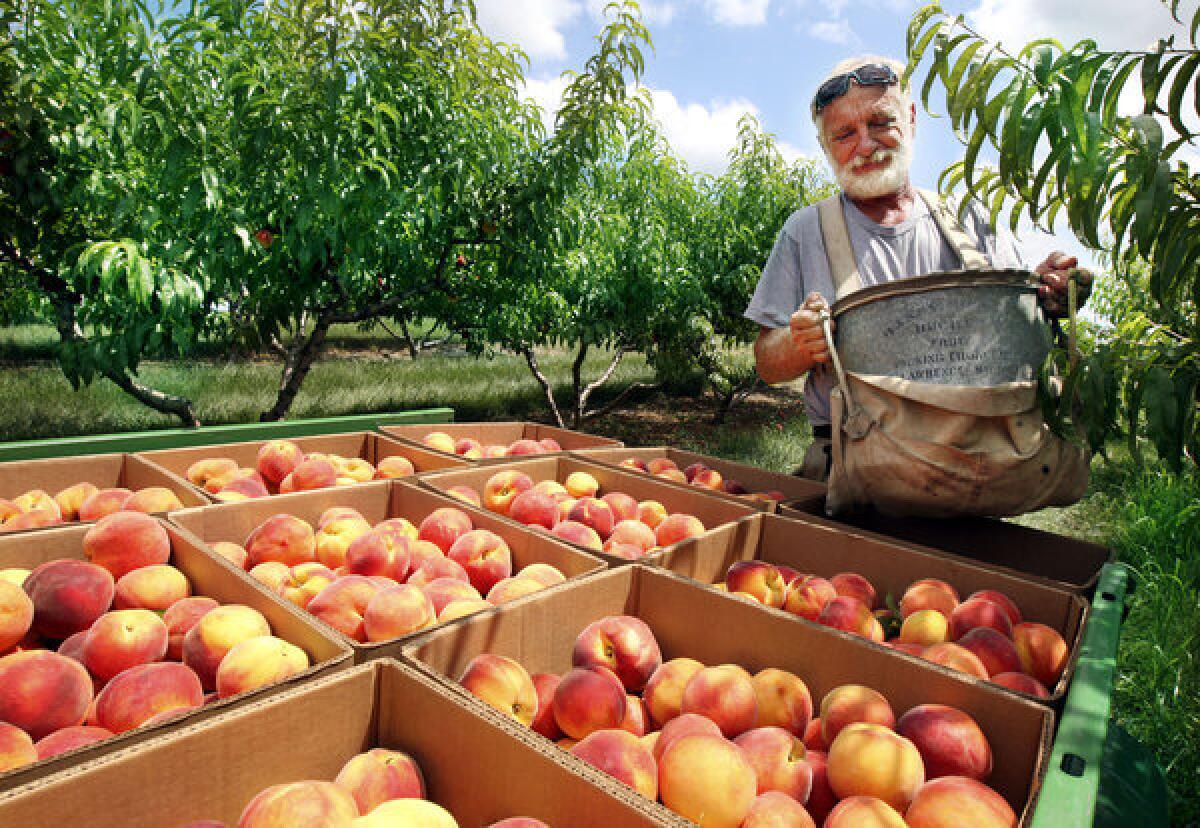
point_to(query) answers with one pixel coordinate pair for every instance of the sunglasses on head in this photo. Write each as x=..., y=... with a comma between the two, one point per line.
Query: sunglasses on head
x=870, y=74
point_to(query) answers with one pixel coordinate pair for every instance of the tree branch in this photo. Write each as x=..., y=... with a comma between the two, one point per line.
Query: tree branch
x=612, y=404
x=527, y=352
x=608, y=372
x=576, y=382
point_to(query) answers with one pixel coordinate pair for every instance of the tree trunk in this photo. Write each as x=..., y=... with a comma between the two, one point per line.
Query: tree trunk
x=297, y=363
x=544, y=383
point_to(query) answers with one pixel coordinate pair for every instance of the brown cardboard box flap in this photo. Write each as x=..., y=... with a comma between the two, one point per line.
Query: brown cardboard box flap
x=207, y=576
x=814, y=549
x=720, y=516
x=376, y=502
x=502, y=433
x=478, y=767
x=700, y=623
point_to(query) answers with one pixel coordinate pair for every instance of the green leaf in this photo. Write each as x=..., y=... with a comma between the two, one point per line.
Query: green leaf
x=1163, y=418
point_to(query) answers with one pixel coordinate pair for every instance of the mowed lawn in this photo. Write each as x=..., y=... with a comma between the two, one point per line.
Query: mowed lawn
x=1151, y=518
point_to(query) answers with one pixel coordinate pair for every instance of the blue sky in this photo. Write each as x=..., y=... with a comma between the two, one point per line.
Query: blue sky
x=716, y=59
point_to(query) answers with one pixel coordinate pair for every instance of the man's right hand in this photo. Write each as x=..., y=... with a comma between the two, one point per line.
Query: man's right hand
x=807, y=334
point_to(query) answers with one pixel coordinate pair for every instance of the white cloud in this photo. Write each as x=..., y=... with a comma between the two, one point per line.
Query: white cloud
x=534, y=25
x=701, y=134
x=833, y=31
x=1113, y=24
x=738, y=12
x=546, y=93
x=654, y=12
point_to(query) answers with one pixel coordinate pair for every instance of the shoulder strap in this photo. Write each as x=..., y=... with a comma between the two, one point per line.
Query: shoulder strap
x=843, y=268
x=953, y=232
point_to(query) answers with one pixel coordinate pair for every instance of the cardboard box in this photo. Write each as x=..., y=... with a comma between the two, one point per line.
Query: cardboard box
x=719, y=515
x=755, y=480
x=890, y=567
x=689, y=620
x=370, y=447
x=504, y=434
x=476, y=766
x=1066, y=562
x=104, y=471
x=376, y=502
x=208, y=577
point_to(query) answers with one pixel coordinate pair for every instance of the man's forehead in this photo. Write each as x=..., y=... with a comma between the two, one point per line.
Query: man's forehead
x=862, y=101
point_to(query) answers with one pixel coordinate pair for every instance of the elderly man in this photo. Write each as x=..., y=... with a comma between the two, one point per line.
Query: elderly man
x=866, y=121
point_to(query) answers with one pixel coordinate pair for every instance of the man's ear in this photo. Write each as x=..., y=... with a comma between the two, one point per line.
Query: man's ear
x=912, y=117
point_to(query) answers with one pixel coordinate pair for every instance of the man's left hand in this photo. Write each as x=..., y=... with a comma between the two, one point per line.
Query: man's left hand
x=1054, y=274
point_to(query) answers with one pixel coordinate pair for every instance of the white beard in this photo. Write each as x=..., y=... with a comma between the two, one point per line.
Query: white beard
x=878, y=182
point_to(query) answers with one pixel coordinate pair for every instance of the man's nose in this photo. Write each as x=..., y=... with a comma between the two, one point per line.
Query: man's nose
x=867, y=144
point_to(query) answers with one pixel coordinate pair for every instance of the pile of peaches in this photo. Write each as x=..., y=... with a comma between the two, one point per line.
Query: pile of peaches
x=984, y=636
x=698, y=474
x=92, y=648
x=381, y=788
x=615, y=523
x=471, y=449
x=82, y=501
x=722, y=747
x=282, y=467
x=376, y=583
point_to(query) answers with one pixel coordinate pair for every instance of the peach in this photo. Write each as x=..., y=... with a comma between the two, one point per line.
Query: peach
x=484, y=555
x=444, y=591
x=949, y=654
x=312, y=473
x=978, y=612
x=343, y=603
x=549, y=445
x=283, y=538
x=783, y=700
x=623, y=506
x=15, y=575
x=1022, y=683
x=593, y=512
x=759, y=579
x=724, y=694
x=69, y=738
x=122, y=639
x=853, y=616
x=735, y=487
x=439, y=441
x=651, y=513
x=393, y=529
x=310, y=802
x=371, y=554
x=956, y=800
x=42, y=691
x=581, y=484
x=502, y=488
x=246, y=484
x=504, y=684
x=949, y=741
x=551, y=487
x=534, y=509
x=635, y=719
x=181, y=617
x=37, y=500
x=708, y=479
x=393, y=467
x=822, y=798
x=663, y=692
x=855, y=586
x=635, y=463
x=277, y=459
x=258, y=662
x=924, y=627
x=272, y=574
x=407, y=813
x=465, y=494
x=544, y=722
x=439, y=568
x=36, y=519
x=8, y=510
x=685, y=724
x=335, y=535
x=72, y=646
x=589, y=699
x=543, y=573
x=871, y=760
x=929, y=594
x=16, y=748
x=998, y=653
x=628, y=551
x=674, y=475
x=1001, y=600
x=907, y=647
x=70, y=499
x=863, y=812
x=153, y=499
x=808, y=595
x=153, y=587
x=623, y=644
x=494, y=450
x=442, y=527
x=678, y=527
x=812, y=735
x=1042, y=651
x=620, y=755
x=510, y=589
x=707, y=780
x=16, y=615
x=523, y=447
x=468, y=447
x=575, y=532
x=356, y=469
x=215, y=634
x=209, y=468
x=398, y=611
x=422, y=552
x=305, y=582
x=777, y=757
x=232, y=552
x=103, y=503
x=380, y=775
x=776, y=810
x=125, y=541
x=852, y=704
x=661, y=464
x=68, y=596
x=460, y=609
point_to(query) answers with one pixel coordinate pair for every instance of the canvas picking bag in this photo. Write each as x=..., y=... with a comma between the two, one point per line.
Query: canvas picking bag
x=907, y=447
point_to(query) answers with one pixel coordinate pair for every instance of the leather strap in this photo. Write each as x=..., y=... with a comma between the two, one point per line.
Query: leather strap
x=843, y=267
x=952, y=230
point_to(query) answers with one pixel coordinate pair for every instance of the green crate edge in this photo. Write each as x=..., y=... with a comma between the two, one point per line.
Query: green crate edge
x=173, y=438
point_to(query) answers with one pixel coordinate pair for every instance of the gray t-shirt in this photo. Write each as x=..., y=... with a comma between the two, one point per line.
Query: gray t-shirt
x=915, y=247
